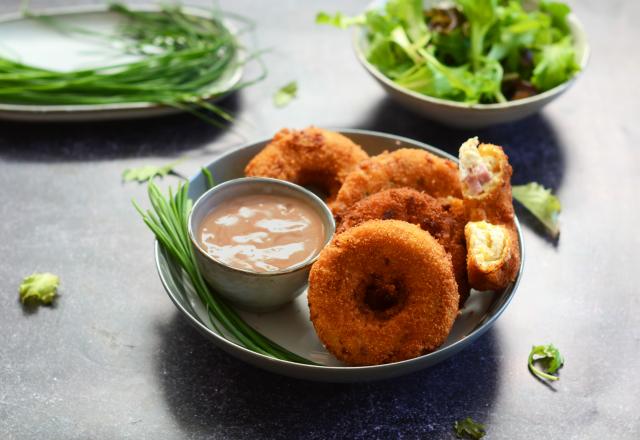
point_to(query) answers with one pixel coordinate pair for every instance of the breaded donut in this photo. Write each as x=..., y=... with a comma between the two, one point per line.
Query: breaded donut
x=381, y=292
x=313, y=156
x=493, y=257
x=406, y=167
x=443, y=218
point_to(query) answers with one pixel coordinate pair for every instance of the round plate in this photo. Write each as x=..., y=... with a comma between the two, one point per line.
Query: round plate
x=290, y=326
x=32, y=42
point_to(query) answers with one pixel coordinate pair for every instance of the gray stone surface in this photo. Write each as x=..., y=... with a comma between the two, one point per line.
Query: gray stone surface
x=113, y=359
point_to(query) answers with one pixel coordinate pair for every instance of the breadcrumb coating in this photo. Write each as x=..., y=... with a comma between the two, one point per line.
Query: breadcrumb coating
x=313, y=157
x=382, y=291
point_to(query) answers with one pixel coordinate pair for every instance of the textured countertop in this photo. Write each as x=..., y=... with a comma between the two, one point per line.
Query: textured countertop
x=113, y=359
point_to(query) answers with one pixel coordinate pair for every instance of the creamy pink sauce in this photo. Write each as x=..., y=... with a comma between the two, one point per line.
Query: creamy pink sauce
x=262, y=233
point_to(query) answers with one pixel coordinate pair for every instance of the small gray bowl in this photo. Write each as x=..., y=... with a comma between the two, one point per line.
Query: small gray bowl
x=255, y=291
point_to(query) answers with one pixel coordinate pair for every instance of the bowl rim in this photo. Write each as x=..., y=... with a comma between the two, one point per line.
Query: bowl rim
x=313, y=199
x=577, y=31
x=311, y=369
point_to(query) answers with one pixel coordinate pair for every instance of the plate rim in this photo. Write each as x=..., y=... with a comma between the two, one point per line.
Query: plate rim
x=83, y=110
x=313, y=370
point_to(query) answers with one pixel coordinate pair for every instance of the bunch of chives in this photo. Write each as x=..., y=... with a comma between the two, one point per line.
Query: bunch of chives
x=183, y=60
x=168, y=220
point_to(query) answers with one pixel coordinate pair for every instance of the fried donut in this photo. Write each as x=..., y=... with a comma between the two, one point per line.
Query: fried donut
x=443, y=218
x=493, y=247
x=406, y=167
x=381, y=292
x=313, y=156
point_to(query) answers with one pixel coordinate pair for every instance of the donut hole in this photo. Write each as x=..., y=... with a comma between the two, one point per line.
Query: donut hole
x=382, y=297
x=322, y=184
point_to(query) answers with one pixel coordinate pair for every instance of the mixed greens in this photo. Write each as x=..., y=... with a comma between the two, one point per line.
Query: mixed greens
x=182, y=60
x=471, y=51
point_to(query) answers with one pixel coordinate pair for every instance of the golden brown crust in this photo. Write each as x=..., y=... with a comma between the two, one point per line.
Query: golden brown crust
x=406, y=167
x=382, y=292
x=443, y=218
x=312, y=156
x=498, y=276
x=494, y=205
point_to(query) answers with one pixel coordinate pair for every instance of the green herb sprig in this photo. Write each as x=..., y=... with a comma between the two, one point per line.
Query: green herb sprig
x=468, y=428
x=168, y=220
x=182, y=61
x=551, y=359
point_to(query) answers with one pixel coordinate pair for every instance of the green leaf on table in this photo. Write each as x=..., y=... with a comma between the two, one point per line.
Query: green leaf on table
x=339, y=20
x=549, y=358
x=285, y=94
x=39, y=288
x=542, y=204
x=147, y=172
x=468, y=428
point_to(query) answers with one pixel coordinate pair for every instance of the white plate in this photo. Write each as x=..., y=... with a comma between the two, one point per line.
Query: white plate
x=32, y=42
x=290, y=326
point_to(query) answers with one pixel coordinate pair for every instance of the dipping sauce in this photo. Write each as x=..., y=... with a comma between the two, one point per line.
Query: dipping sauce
x=262, y=233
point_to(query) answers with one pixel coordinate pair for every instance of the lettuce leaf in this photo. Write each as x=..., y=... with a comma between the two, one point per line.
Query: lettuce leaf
x=542, y=204
x=285, y=94
x=39, y=288
x=481, y=15
x=554, y=65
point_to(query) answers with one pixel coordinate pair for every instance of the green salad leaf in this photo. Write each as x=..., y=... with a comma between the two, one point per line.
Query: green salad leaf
x=468, y=428
x=477, y=51
x=481, y=15
x=39, y=288
x=285, y=94
x=559, y=13
x=147, y=172
x=542, y=204
x=554, y=64
x=549, y=357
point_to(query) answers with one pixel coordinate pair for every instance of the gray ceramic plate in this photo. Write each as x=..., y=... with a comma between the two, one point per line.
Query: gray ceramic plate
x=290, y=326
x=32, y=42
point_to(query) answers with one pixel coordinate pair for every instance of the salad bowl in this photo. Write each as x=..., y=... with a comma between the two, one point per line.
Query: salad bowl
x=464, y=115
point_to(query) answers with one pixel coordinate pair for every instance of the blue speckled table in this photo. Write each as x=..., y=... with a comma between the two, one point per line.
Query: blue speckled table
x=113, y=359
